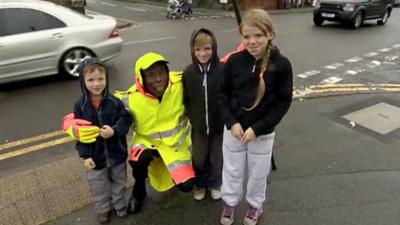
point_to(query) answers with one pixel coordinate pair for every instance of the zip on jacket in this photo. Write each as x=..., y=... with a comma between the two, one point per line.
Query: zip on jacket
x=99, y=116
x=205, y=72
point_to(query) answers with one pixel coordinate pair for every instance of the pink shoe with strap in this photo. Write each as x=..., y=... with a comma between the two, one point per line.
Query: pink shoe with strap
x=228, y=215
x=252, y=216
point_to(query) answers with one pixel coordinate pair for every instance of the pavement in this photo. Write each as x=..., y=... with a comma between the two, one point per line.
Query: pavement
x=330, y=171
x=208, y=13
x=337, y=152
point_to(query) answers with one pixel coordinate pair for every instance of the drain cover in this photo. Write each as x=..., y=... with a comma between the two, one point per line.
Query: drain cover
x=382, y=118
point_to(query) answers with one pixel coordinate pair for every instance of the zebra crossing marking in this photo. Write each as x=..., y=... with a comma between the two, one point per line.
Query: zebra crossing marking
x=334, y=66
x=308, y=74
x=396, y=46
x=385, y=49
x=371, y=54
x=353, y=60
x=331, y=80
x=374, y=63
x=351, y=72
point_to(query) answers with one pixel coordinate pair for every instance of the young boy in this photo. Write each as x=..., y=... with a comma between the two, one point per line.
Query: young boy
x=105, y=158
x=201, y=82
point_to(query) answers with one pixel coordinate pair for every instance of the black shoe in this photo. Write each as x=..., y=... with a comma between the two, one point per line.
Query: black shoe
x=134, y=205
x=122, y=212
x=103, y=217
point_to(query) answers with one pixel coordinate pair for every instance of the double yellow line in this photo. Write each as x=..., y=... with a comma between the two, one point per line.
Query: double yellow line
x=36, y=147
x=10, y=149
x=315, y=91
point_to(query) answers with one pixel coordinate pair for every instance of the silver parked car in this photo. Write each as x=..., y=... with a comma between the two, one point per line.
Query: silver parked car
x=39, y=38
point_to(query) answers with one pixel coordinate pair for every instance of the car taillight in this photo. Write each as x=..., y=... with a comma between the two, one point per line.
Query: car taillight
x=114, y=33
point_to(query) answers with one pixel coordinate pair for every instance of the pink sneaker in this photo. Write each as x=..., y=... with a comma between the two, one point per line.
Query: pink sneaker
x=228, y=215
x=252, y=216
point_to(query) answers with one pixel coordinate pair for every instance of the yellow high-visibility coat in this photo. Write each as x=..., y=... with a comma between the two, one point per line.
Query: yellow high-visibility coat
x=161, y=126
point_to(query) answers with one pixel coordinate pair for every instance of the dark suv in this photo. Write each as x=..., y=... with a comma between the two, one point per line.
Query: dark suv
x=352, y=12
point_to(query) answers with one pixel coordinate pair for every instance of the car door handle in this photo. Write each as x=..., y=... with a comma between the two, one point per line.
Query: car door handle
x=56, y=36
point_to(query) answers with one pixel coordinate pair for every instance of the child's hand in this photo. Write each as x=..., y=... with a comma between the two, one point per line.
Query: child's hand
x=249, y=135
x=89, y=164
x=106, y=132
x=237, y=131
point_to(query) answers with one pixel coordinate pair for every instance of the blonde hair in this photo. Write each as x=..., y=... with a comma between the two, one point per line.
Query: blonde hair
x=259, y=18
x=202, y=38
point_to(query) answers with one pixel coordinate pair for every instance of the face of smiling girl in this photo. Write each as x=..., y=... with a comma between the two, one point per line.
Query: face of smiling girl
x=254, y=40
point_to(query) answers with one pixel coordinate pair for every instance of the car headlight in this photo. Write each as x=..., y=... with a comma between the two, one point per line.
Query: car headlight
x=349, y=7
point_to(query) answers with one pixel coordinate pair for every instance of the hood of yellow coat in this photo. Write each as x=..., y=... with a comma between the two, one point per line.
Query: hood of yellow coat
x=144, y=62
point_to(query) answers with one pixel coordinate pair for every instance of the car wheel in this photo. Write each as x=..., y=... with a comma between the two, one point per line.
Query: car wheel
x=318, y=21
x=70, y=61
x=179, y=13
x=357, y=20
x=384, y=18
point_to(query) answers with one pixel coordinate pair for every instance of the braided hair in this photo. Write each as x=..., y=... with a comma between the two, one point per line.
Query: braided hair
x=259, y=18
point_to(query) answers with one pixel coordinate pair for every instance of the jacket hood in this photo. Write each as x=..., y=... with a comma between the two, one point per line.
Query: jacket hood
x=144, y=62
x=81, y=67
x=214, y=57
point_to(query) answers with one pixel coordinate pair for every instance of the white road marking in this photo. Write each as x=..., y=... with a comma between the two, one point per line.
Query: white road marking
x=374, y=63
x=331, y=80
x=108, y=4
x=308, y=74
x=396, y=46
x=384, y=49
x=149, y=40
x=135, y=9
x=353, y=60
x=371, y=54
x=334, y=66
x=391, y=57
x=351, y=72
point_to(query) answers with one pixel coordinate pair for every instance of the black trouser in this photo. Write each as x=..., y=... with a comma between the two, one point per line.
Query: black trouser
x=140, y=170
x=207, y=159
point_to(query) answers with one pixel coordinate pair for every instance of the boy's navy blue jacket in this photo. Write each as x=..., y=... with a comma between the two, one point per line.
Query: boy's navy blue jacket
x=104, y=152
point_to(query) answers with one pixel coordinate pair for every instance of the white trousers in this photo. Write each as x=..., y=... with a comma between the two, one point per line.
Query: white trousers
x=256, y=155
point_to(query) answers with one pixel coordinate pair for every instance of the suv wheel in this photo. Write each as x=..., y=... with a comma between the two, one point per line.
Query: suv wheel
x=384, y=18
x=318, y=21
x=70, y=61
x=357, y=20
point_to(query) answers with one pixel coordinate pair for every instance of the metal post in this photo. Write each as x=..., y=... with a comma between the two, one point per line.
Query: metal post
x=237, y=12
